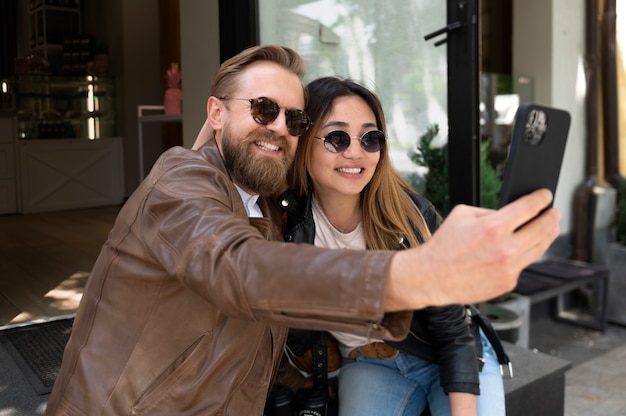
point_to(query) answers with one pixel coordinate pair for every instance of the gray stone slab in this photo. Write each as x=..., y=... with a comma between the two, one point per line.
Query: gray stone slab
x=596, y=387
x=538, y=384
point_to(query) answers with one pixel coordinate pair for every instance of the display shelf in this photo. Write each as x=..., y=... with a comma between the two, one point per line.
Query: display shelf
x=52, y=22
x=58, y=148
x=54, y=107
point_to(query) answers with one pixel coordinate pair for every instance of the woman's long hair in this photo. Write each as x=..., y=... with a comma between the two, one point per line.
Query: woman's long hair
x=388, y=213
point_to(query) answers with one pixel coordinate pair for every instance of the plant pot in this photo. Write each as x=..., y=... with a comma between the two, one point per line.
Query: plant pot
x=506, y=322
x=510, y=316
x=616, y=263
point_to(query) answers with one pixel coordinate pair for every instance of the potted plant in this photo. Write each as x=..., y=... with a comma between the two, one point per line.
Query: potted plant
x=434, y=184
x=616, y=260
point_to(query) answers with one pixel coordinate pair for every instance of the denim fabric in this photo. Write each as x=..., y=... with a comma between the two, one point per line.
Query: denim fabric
x=491, y=399
x=405, y=385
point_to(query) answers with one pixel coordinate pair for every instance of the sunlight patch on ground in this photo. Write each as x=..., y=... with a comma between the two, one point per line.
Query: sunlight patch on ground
x=62, y=300
x=66, y=296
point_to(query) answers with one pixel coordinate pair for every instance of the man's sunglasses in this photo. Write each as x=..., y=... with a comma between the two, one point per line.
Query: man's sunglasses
x=265, y=110
x=338, y=141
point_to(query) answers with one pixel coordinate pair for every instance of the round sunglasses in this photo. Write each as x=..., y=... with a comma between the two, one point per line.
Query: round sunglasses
x=265, y=110
x=338, y=141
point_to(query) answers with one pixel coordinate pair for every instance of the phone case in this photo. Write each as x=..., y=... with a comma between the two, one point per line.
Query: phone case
x=536, y=151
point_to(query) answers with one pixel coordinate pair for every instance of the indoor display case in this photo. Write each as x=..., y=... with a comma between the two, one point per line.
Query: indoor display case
x=61, y=136
x=52, y=22
x=57, y=107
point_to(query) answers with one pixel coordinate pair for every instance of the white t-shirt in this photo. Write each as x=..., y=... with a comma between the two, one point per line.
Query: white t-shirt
x=328, y=236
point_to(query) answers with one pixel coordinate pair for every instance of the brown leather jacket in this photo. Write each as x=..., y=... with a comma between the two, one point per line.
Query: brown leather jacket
x=187, y=306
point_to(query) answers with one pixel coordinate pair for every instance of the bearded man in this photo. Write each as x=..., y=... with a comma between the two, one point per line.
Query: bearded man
x=187, y=307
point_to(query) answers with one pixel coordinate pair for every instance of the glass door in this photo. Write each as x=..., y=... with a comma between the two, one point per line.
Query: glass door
x=380, y=44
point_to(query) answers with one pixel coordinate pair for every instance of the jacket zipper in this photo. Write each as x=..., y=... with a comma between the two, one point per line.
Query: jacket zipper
x=419, y=339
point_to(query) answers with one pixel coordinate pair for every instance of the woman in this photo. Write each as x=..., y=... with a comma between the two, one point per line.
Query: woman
x=346, y=194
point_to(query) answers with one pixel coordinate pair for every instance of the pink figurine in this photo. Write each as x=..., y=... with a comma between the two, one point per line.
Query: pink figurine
x=173, y=95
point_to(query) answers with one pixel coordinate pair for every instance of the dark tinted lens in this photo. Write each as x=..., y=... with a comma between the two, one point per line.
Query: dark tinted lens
x=337, y=141
x=264, y=110
x=298, y=122
x=373, y=141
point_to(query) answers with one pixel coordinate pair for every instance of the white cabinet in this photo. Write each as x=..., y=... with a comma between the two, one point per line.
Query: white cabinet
x=38, y=175
x=62, y=174
x=59, y=148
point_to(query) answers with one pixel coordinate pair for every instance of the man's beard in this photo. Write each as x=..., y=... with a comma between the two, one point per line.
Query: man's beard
x=263, y=175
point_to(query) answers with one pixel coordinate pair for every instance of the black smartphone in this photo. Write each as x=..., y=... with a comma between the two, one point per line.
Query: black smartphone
x=536, y=151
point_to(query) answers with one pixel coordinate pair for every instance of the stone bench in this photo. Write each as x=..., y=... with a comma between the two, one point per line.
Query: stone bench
x=558, y=278
x=538, y=384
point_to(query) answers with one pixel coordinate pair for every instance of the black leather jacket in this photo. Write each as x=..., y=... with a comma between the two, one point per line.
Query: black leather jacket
x=439, y=334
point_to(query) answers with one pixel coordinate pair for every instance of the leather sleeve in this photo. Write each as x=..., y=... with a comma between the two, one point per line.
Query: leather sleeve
x=454, y=347
x=448, y=328
x=196, y=227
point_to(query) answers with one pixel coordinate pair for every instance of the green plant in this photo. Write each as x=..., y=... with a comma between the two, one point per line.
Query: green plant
x=435, y=158
x=436, y=178
x=490, y=182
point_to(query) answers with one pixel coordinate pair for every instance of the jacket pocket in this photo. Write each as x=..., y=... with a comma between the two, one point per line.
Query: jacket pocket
x=67, y=408
x=168, y=378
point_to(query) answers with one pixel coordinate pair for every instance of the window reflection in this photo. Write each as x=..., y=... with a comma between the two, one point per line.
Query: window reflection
x=380, y=44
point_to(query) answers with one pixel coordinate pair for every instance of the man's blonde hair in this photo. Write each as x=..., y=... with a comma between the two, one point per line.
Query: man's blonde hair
x=224, y=82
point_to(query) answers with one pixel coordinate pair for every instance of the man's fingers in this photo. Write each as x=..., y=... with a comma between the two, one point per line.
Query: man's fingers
x=541, y=232
x=534, y=239
x=524, y=209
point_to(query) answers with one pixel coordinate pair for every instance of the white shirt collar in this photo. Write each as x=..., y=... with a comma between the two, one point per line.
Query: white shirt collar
x=250, y=202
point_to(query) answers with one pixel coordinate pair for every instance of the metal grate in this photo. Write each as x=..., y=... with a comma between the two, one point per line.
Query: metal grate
x=37, y=349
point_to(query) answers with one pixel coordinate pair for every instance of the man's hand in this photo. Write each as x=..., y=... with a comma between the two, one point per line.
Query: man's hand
x=476, y=254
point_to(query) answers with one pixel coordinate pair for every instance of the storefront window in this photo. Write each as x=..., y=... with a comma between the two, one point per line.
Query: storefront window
x=380, y=44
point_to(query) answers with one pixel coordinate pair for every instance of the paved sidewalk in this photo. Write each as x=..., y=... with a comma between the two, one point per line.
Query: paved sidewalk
x=597, y=386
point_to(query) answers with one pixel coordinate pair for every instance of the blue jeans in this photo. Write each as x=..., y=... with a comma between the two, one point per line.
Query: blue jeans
x=405, y=385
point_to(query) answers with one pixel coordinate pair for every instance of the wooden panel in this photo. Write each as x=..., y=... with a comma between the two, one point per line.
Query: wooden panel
x=7, y=161
x=8, y=196
x=7, y=129
x=169, y=39
x=169, y=35
x=8, y=199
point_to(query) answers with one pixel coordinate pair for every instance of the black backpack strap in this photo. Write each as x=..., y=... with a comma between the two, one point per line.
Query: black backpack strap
x=320, y=362
x=300, y=341
x=493, y=338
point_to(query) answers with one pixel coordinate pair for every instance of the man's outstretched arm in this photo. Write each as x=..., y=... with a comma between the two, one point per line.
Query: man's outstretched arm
x=476, y=254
